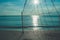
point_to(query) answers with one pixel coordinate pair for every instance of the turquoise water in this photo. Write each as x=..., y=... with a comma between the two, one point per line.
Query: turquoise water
x=15, y=21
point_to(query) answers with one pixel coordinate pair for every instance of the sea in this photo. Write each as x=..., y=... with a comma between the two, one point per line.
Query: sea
x=29, y=21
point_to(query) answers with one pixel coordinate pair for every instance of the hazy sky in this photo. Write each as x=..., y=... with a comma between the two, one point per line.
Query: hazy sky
x=14, y=7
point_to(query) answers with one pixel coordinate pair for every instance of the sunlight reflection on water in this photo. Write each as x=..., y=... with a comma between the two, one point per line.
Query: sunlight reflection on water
x=35, y=22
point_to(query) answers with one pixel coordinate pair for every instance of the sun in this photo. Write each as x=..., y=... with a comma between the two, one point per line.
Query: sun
x=36, y=1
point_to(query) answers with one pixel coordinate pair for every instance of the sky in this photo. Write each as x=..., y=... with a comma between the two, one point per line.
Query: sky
x=15, y=7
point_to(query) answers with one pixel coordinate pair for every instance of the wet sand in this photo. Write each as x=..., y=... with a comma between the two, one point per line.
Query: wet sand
x=30, y=35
